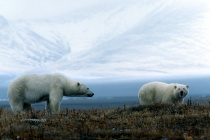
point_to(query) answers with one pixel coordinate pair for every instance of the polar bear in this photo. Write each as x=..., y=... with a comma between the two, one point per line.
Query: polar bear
x=159, y=92
x=31, y=88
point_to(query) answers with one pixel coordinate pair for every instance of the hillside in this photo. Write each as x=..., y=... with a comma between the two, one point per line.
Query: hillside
x=139, y=122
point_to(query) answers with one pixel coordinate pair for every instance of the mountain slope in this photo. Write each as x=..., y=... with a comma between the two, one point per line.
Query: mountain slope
x=119, y=39
x=23, y=49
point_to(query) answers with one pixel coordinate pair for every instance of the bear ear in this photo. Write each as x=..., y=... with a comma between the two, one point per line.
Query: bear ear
x=78, y=84
x=175, y=87
x=187, y=86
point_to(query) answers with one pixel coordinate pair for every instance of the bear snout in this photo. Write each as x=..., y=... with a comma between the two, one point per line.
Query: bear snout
x=90, y=95
x=181, y=93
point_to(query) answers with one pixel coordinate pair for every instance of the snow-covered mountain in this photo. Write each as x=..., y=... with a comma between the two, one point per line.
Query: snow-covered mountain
x=22, y=49
x=111, y=39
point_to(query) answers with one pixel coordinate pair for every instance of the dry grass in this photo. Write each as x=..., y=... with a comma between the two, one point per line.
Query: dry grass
x=141, y=122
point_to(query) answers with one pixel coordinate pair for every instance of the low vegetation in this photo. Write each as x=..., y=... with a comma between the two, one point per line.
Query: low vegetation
x=191, y=121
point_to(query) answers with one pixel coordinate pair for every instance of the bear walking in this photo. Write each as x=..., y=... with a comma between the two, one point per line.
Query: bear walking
x=31, y=88
x=159, y=92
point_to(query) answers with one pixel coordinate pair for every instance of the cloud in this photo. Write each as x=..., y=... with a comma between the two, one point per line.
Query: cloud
x=39, y=9
x=168, y=40
x=107, y=39
x=24, y=9
x=23, y=50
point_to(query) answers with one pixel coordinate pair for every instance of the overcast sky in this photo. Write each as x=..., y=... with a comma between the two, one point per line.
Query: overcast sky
x=105, y=39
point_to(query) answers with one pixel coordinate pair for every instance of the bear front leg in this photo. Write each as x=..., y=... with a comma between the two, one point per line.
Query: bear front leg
x=181, y=102
x=55, y=107
x=55, y=100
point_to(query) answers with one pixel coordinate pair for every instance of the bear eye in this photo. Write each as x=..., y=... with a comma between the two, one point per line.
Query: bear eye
x=87, y=88
x=78, y=84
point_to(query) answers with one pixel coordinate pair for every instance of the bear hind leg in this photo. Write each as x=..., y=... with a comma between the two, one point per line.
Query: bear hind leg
x=146, y=97
x=18, y=107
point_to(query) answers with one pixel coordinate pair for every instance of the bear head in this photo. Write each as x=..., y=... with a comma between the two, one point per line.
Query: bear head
x=181, y=90
x=77, y=89
x=83, y=90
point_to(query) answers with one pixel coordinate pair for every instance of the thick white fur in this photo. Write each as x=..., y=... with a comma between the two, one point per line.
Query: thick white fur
x=159, y=92
x=31, y=88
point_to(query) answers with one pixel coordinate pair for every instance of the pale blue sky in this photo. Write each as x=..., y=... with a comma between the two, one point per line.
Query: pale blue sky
x=105, y=39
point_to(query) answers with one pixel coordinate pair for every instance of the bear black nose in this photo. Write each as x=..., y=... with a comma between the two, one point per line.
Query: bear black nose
x=181, y=93
x=90, y=95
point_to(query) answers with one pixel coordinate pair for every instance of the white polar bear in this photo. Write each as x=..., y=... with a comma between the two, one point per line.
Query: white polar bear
x=158, y=92
x=31, y=88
